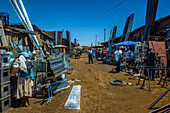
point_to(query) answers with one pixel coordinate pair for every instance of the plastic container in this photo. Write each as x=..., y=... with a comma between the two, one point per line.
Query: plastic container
x=5, y=17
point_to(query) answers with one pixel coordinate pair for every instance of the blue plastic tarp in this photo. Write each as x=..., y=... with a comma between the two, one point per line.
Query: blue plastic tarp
x=125, y=43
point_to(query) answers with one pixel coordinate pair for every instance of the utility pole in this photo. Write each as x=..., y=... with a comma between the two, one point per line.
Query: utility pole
x=91, y=43
x=104, y=34
x=68, y=41
x=75, y=42
x=96, y=40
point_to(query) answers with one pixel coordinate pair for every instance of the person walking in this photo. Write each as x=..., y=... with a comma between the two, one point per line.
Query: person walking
x=90, y=56
x=25, y=83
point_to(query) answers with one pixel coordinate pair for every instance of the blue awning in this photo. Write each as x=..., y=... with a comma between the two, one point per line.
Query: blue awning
x=125, y=43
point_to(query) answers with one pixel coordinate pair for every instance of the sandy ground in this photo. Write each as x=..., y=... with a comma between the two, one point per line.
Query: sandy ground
x=98, y=95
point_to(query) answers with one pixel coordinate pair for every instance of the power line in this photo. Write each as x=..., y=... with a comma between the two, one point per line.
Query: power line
x=112, y=8
x=111, y=11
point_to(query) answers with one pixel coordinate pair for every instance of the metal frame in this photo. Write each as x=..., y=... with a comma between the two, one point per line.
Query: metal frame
x=152, y=68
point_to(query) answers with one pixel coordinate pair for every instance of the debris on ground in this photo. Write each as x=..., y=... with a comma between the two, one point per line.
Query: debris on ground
x=130, y=84
x=73, y=101
x=117, y=82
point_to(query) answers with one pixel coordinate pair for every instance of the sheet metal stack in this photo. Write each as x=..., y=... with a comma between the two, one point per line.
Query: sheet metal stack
x=5, y=96
x=55, y=66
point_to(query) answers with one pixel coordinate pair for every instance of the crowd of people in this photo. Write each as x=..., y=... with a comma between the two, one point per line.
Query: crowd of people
x=119, y=54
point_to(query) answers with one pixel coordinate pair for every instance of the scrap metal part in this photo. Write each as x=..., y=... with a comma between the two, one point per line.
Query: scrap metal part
x=162, y=108
x=159, y=98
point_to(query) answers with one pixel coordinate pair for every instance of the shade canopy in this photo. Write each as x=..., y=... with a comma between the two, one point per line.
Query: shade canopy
x=98, y=46
x=79, y=47
x=60, y=46
x=125, y=43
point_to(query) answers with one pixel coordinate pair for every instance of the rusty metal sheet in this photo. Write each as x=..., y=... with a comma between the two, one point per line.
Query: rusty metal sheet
x=159, y=46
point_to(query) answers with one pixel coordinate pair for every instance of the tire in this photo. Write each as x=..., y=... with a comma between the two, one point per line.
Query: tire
x=122, y=83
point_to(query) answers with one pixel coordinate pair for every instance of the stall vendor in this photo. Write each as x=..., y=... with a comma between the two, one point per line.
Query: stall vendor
x=24, y=86
x=128, y=51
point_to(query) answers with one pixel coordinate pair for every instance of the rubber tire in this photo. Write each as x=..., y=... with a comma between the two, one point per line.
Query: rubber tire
x=122, y=83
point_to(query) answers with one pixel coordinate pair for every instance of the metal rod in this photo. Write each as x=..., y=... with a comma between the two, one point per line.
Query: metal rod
x=149, y=80
x=159, y=98
x=160, y=109
x=25, y=14
x=139, y=77
x=26, y=22
x=68, y=86
x=60, y=81
x=31, y=28
x=143, y=85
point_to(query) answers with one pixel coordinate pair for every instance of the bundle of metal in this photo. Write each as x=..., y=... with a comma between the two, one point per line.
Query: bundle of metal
x=25, y=20
x=66, y=60
x=51, y=88
x=55, y=67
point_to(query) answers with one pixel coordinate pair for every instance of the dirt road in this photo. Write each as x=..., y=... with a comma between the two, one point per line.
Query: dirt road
x=98, y=95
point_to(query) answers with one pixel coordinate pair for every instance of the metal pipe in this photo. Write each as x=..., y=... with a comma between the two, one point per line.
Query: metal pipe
x=159, y=98
x=30, y=26
x=25, y=14
x=18, y=12
x=149, y=80
x=26, y=22
x=160, y=109
x=64, y=80
x=66, y=87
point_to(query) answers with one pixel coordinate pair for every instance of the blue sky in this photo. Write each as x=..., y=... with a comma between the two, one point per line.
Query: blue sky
x=85, y=18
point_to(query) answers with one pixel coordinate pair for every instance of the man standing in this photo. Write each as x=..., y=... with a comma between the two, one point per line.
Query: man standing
x=90, y=55
x=118, y=54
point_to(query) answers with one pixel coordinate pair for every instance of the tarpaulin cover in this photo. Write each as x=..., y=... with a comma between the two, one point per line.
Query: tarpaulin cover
x=125, y=43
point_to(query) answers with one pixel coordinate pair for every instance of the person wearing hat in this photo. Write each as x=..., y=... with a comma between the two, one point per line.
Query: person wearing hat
x=24, y=85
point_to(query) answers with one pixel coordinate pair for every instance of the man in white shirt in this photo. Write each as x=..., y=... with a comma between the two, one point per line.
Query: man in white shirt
x=118, y=54
x=90, y=55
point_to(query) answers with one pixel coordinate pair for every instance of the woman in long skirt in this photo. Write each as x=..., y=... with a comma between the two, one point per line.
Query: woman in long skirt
x=25, y=77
